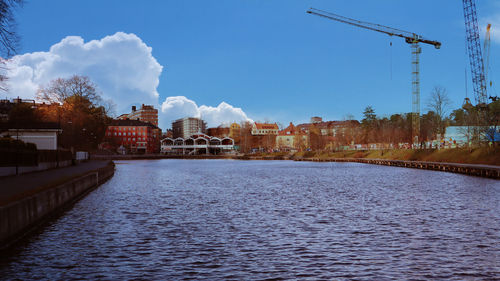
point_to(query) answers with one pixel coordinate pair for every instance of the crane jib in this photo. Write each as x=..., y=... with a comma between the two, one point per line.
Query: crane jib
x=408, y=36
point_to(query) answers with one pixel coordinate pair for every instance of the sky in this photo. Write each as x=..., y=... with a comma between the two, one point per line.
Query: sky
x=260, y=60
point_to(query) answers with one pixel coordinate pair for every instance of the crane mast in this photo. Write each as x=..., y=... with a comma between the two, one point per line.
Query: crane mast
x=474, y=50
x=411, y=38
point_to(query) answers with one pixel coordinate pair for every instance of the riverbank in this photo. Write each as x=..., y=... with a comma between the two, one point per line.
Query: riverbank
x=483, y=162
x=29, y=200
x=484, y=155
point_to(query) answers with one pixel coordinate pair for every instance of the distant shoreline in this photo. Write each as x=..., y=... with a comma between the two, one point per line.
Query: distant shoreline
x=424, y=161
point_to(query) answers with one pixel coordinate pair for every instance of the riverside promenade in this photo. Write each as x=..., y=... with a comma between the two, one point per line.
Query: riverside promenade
x=13, y=188
x=28, y=200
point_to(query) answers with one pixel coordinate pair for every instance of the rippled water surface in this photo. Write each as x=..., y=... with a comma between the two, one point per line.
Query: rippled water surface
x=252, y=220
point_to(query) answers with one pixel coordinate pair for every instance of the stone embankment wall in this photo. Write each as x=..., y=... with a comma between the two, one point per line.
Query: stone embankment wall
x=18, y=218
x=468, y=169
x=42, y=166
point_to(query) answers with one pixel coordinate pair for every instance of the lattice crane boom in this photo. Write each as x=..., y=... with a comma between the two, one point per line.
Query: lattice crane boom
x=410, y=38
x=474, y=50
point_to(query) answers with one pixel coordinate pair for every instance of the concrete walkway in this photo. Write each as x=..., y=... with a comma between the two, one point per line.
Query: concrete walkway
x=15, y=187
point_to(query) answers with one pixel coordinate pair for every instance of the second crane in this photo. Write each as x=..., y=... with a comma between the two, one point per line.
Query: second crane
x=410, y=38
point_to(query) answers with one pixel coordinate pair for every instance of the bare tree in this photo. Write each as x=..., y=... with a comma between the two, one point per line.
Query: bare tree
x=8, y=37
x=60, y=89
x=79, y=110
x=439, y=103
x=9, y=40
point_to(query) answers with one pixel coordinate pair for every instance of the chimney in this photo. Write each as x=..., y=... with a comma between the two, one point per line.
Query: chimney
x=133, y=108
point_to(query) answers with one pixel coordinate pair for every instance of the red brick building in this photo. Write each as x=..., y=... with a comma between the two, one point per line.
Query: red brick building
x=135, y=135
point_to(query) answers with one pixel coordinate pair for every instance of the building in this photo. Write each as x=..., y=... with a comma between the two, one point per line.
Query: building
x=219, y=132
x=186, y=127
x=292, y=138
x=328, y=128
x=262, y=129
x=43, y=135
x=147, y=113
x=234, y=130
x=462, y=135
x=137, y=136
x=316, y=119
x=197, y=144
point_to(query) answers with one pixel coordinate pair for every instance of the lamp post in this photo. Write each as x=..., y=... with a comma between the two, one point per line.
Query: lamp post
x=17, y=150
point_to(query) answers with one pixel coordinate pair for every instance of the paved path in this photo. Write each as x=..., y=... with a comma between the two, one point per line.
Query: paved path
x=13, y=187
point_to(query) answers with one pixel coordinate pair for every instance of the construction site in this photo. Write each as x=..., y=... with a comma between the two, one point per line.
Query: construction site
x=481, y=115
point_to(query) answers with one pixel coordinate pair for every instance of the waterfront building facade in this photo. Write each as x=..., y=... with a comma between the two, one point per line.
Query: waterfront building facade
x=137, y=136
x=197, y=144
x=262, y=129
x=219, y=132
x=292, y=138
x=186, y=127
x=42, y=134
x=234, y=130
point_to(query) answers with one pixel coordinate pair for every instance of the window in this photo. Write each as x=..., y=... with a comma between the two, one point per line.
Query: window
x=119, y=133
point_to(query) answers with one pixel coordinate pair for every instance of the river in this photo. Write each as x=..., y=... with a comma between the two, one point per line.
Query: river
x=254, y=220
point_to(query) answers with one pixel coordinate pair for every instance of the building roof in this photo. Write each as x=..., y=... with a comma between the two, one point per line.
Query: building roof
x=30, y=126
x=329, y=124
x=130, y=122
x=266, y=126
x=291, y=130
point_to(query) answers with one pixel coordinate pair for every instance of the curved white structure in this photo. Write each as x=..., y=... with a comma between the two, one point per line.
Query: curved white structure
x=197, y=144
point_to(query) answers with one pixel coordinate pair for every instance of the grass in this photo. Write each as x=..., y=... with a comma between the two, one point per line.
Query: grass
x=483, y=155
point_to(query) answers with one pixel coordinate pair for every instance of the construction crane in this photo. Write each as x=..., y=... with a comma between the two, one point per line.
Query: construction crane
x=486, y=46
x=475, y=55
x=410, y=38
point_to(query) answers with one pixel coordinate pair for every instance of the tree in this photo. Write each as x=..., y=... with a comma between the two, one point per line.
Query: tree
x=493, y=119
x=9, y=40
x=60, y=89
x=8, y=36
x=439, y=102
x=78, y=109
x=368, y=123
x=24, y=114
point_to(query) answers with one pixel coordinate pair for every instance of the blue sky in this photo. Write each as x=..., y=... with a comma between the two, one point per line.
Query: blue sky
x=273, y=60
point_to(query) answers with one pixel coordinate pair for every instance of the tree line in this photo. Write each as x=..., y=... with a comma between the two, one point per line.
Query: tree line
x=398, y=127
x=75, y=105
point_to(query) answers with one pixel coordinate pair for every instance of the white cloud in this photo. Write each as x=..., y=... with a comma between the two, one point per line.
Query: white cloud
x=122, y=66
x=180, y=107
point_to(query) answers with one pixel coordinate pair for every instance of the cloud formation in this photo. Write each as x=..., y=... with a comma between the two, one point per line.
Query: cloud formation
x=123, y=68
x=122, y=65
x=179, y=106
